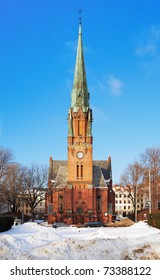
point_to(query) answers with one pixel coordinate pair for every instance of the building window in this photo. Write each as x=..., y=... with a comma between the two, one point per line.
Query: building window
x=79, y=128
x=79, y=171
x=61, y=203
x=50, y=208
x=98, y=206
x=80, y=211
x=98, y=203
x=158, y=204
x=61, y=207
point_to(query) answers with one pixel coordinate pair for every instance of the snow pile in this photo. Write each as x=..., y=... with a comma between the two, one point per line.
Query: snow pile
x=31, y=241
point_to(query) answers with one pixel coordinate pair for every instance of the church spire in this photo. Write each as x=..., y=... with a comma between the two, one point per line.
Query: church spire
x=80, y=95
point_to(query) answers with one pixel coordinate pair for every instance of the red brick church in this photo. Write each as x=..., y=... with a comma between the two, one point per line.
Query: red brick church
x=80, y=188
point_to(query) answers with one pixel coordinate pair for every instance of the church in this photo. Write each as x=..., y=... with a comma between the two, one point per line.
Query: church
x=80, y=188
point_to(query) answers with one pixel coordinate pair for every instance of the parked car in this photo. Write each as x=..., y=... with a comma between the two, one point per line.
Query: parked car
x=59, y=224
x=93, y=224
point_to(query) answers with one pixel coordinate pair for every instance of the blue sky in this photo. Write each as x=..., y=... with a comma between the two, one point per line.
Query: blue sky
x=37, y=57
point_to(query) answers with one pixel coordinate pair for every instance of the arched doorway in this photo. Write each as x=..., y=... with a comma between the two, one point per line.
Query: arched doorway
x=80, y=215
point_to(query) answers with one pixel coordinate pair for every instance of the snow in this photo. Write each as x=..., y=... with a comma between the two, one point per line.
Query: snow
x=32, y=241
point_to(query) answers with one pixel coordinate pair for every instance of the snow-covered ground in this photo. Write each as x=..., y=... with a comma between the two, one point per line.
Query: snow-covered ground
x=31, y=241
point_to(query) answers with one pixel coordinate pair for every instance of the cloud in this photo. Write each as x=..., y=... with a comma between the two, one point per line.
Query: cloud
x=99, y=114
x=69, y=83
x=111, y=84
x=146, y=49
x=72, y=45
x=148, y=42
x=115, y=85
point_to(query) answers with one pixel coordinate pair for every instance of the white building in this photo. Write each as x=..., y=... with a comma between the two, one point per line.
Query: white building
x=123, y=204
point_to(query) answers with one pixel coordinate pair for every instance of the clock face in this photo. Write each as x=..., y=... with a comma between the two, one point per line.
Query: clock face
x=80, y=155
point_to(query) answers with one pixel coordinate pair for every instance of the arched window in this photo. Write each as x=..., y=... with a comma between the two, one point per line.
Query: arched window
x=60, y=203
x=79, y=211
x=79, y=128
x=79, y=171
x=98, y=203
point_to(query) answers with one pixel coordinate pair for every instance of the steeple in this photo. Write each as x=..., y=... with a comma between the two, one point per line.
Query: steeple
x=80, y=95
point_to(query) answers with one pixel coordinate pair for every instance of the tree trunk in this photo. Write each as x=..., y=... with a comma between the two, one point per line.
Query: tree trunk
x=32, y=214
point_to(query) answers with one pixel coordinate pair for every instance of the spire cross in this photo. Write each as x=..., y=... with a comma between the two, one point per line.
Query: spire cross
x=80, y=15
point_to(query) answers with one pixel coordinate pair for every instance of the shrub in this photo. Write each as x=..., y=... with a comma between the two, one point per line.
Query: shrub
x=154, y=220
x=6, y=222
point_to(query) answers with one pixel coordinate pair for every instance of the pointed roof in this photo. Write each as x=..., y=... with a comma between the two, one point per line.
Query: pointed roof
x=101, y=172
x=80, y=95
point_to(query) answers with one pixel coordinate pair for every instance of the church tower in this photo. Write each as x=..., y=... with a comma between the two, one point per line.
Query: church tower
x=80, y=124
x=79, y=188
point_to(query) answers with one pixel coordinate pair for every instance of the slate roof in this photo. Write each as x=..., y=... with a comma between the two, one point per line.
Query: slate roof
x=105, y=166
x=98, y=178
x=101, y=172
x=62, y=176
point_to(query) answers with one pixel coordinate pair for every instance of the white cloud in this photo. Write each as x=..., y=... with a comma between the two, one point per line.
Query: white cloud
x=145, y=49
x=148, y=42
x=111, y=84
x=72, y=45
x=115, y=85
x=99, y=114
x=69, y=83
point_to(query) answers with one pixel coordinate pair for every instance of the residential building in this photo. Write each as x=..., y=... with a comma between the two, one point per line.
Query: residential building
x=123, y=203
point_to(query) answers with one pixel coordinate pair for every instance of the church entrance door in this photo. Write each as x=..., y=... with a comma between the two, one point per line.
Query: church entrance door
x=80, y=215
x=79, y=219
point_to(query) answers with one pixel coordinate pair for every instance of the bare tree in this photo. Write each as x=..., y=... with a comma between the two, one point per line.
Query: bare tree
x=133, y=178
x=34, y=185
x=150, y=160
x=11, y=187
x=5, y=159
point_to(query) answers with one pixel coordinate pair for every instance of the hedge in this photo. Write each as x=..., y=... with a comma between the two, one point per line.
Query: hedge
x=6, y=222
x=154, y=220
